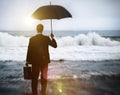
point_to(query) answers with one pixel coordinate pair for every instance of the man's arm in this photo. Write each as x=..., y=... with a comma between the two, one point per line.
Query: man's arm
x=28, y=55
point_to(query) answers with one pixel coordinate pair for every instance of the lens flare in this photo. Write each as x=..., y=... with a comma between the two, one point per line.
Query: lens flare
x=28, y=20
x=60, y=90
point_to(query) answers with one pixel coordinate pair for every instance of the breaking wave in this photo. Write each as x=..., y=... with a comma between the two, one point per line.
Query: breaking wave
x=80, y=47
x=81, y=39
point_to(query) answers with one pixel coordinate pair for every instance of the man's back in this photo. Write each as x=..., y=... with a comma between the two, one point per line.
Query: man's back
x=38, y=48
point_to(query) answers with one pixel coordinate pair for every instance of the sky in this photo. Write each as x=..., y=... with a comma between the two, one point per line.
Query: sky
x=86, y=15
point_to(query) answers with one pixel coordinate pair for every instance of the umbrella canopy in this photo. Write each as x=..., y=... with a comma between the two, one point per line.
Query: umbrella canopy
x=51, y=12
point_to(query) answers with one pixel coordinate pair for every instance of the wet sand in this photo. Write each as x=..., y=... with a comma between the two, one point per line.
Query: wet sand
x=73, y=78
x=96, y=85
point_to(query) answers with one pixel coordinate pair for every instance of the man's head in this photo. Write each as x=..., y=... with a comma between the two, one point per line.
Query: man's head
x=39, y=28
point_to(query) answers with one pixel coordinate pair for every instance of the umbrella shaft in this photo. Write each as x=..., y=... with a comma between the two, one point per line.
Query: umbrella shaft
x=51, y=26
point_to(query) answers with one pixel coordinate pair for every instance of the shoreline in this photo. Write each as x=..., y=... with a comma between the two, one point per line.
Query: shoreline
x=11, y=70
x=106, y=85
x=103, y=78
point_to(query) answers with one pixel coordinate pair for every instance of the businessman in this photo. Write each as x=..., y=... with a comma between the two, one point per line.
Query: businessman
x=38, y=56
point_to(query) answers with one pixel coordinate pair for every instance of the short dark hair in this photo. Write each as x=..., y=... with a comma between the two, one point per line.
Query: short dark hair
x=39, y=28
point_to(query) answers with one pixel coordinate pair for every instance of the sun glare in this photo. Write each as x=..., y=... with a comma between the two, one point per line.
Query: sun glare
x=29, y=21
x=60, y=90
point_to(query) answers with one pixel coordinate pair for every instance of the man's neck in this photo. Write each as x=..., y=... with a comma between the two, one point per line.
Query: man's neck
x=39, y=33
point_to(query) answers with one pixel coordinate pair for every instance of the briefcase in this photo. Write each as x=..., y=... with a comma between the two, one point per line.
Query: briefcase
x=27, y=70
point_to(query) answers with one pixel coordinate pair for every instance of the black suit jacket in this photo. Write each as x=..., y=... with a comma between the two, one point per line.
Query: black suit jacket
x=38, y=51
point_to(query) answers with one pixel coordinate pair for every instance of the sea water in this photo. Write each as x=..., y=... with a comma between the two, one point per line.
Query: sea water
x=77, y=55
x=76, y=47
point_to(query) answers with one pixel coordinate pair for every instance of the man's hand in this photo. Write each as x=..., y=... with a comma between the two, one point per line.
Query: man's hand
x=52, y=35
x=26, y=64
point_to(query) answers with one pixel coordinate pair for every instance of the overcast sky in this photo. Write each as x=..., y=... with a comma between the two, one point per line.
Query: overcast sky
x=86, y=14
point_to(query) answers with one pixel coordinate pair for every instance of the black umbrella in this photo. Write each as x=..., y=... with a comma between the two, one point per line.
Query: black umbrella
x=51, y=12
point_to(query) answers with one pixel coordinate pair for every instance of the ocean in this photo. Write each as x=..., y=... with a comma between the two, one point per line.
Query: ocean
x=72, y=46
x=88, y=63
x=75, y=47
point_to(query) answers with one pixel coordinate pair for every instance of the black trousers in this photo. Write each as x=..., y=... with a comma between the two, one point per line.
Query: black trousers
x=36, y=70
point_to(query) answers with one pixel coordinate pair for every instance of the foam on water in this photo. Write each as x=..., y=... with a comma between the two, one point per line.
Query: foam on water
x=89, y=39
x=80, y=47
x=7, y=40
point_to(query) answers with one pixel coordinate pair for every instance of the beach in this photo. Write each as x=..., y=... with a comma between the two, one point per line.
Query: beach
x=64, y=78
x=94, y=86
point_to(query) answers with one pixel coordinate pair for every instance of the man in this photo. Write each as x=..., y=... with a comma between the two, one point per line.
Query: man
x=38, y=56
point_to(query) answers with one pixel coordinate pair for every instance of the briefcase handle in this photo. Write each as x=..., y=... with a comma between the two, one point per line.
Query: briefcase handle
x=27, y=63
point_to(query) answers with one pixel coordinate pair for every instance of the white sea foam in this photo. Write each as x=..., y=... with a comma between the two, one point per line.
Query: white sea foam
x=89, y=39
x=80, y=47
x=7, y=40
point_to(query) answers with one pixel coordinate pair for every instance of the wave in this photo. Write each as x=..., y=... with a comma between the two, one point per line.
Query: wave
x=80, y=47
x=89, y=39
x=7, y=40
x=81, y=39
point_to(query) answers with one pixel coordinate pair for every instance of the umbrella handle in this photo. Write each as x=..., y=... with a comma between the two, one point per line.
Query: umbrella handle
x=51, y=26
